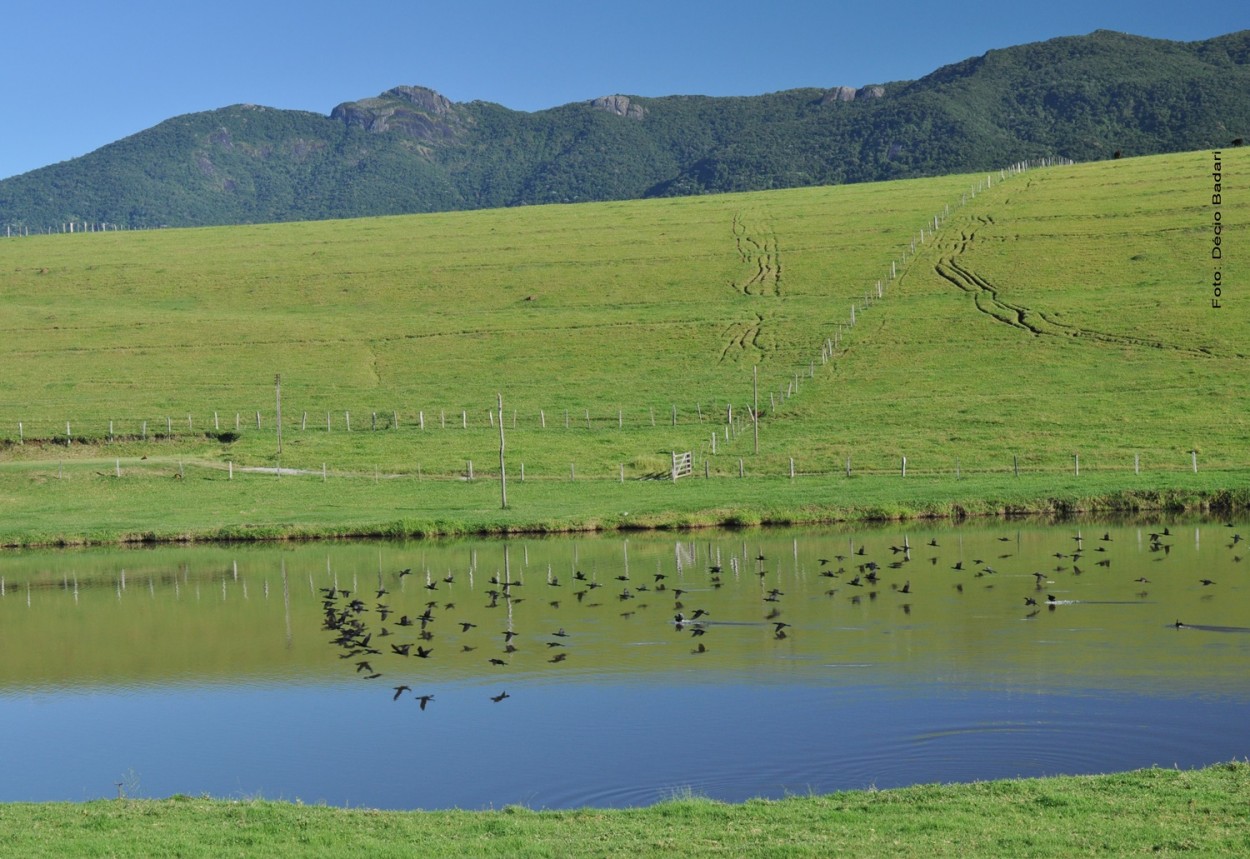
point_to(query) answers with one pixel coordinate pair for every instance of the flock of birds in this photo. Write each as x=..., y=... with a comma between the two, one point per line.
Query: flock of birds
x=367, y=629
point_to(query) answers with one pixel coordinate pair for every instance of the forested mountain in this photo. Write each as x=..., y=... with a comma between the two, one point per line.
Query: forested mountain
x=412, y=150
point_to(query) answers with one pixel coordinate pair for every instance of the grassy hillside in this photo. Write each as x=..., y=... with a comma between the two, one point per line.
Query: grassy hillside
x=1063, y=311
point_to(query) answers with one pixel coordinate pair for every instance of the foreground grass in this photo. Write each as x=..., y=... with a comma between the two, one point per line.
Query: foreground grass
x=1154, y=811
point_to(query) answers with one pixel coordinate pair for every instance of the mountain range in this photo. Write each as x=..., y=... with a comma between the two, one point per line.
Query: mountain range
x=410, y=149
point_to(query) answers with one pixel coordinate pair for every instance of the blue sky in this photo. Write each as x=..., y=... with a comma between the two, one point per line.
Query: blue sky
x=80, y=74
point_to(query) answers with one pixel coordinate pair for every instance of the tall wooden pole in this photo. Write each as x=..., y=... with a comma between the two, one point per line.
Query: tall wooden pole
x=503, y=477
x=277, y=390
x=755, y=409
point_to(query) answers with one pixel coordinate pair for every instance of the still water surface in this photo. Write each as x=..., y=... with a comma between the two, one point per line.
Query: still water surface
x=283, y=673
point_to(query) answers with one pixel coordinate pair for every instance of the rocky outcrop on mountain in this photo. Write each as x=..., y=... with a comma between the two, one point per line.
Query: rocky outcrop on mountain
x=621, y=105
x=410, y=110
x=846, y=93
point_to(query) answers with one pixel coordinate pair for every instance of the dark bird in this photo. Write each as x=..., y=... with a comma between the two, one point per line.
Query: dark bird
x=906, y=588
x=494, y=661
x=559, y=657
x=465, y=626
x=1206, y=582
x=399, y=690
x=424, y=699
x=363, y=666
x=1030, y=601
x=400, y=649
x=702, y=648
x=959, y=565
x=500, y=697
x=424, y=652
x=560, y=633
x=406, y=571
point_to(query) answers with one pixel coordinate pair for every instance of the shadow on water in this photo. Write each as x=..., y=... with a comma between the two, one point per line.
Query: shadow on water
x=617, y=670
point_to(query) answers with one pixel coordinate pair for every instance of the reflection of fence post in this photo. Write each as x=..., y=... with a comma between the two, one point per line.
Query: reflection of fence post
x=1015, y=464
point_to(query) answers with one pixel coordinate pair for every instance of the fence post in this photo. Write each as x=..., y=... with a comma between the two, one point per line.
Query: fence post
x=1015, y=464
x=792, y=468
x=904, y=466
x=1077, y=458
x=470, y=471
x=1137, y=463
x=1194, y=457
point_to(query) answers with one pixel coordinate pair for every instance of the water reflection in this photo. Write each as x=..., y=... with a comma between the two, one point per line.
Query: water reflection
x=616, y=669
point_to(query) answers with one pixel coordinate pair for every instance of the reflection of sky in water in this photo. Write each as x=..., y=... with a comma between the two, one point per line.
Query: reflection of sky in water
x=207, y=670
x=557, y=745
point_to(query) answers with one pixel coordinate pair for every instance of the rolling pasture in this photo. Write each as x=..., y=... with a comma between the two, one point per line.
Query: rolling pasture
x=1062, y=312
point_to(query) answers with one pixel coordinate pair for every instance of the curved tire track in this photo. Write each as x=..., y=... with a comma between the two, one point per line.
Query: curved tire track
x=987, y=300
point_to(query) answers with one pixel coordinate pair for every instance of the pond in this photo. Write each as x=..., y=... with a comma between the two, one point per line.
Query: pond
x=620, y=670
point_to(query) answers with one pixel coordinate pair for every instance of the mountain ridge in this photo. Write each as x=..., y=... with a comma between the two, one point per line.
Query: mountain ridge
x=411, y=149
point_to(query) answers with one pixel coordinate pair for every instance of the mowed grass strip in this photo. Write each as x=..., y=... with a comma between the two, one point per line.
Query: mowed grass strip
x=1152, y=811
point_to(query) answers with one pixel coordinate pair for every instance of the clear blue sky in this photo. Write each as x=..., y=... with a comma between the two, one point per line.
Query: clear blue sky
x=78, y=74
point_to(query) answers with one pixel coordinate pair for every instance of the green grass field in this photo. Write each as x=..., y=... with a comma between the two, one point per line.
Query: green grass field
x=1148, y=812
x=1063, y=312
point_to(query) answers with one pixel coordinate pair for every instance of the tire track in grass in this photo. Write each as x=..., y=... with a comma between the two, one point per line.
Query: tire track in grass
x=741, y=337
x=988, y=301
x=757, y=249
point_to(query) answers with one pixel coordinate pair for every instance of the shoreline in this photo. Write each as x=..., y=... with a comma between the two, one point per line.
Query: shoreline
x=1214, y=501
